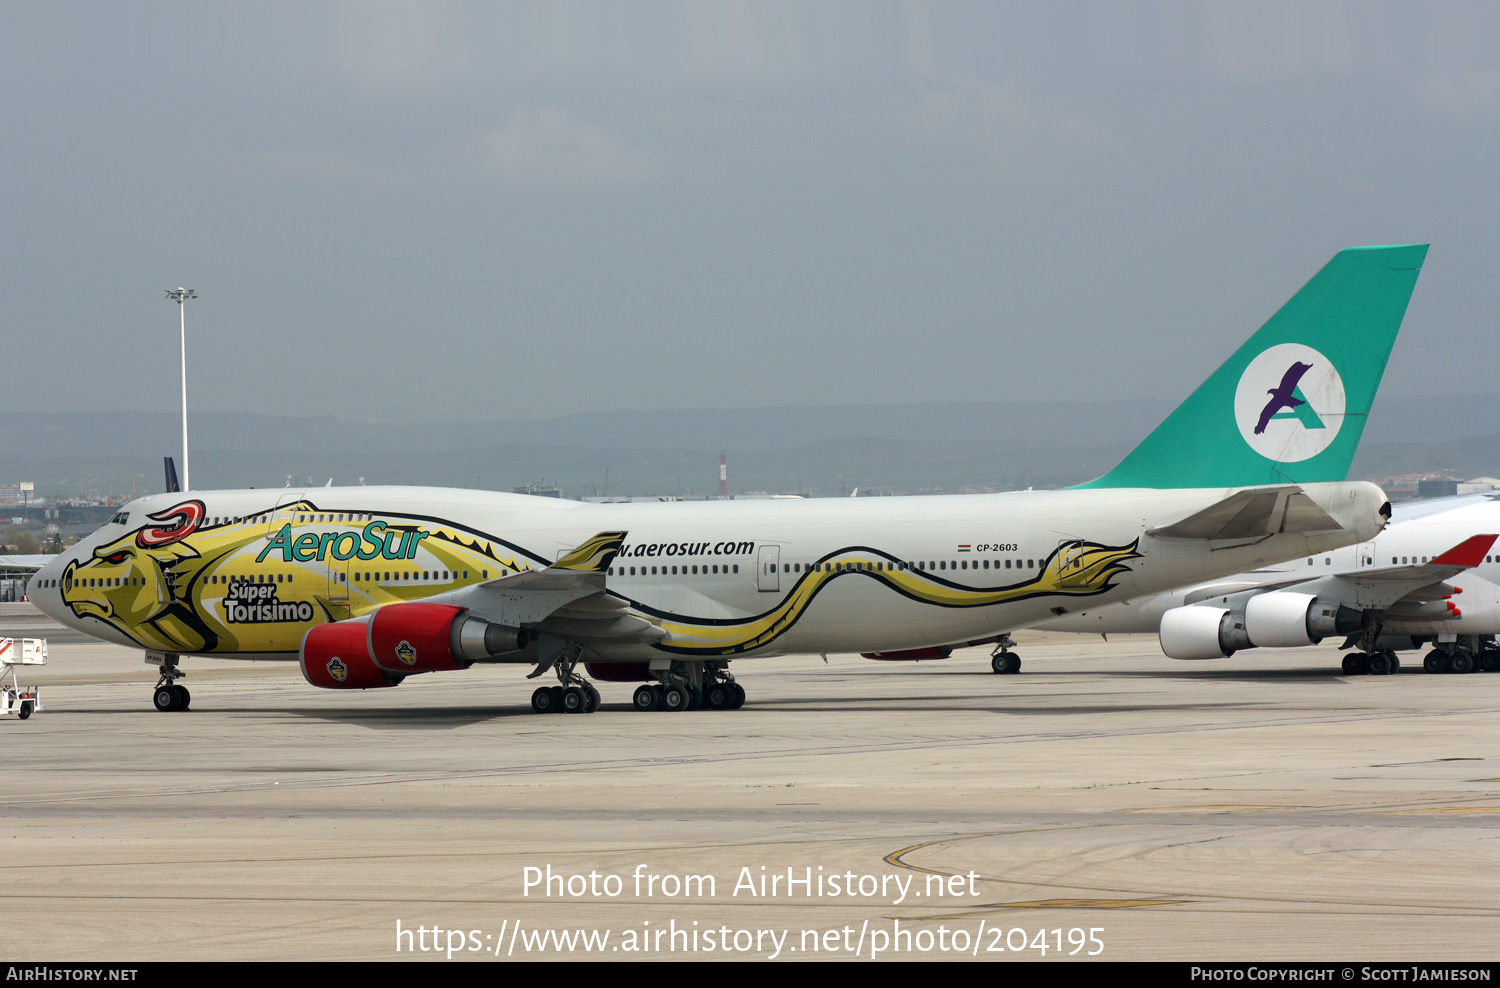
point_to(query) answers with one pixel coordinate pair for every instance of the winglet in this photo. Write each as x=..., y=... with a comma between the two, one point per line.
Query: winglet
x=1469, y=552
x=594, y=556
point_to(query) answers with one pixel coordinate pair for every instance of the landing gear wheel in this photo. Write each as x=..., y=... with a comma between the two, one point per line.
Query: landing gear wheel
x=165, y=698
x=574, y=700
x=1489, y=660
x=1005, y=663
x=1395, y=662
x=1379, y=664
x=1351, y=664
x=646, y=698
x=1462, y=662
x=739, y=696
x=542, y=701
x=675, y=697
x=183, y=696
x=718, y=696
x=594, y=698
x=1433, y=661
x=695, y=698
x=25, y=710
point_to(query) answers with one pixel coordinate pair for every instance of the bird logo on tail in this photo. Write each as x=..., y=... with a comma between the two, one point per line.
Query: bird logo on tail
x=1283, y=395
x=1304, y=411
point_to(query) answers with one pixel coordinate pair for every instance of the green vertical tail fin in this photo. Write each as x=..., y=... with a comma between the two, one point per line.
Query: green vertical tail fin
x=1290, y=405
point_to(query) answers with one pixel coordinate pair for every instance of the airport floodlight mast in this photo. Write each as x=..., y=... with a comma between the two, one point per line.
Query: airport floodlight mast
x=180, y=296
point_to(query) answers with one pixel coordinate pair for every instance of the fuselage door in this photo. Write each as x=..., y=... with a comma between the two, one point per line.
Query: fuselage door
x=1366, y=555
x=338, y=579
x=769, y=579
x=1070, y=568
x=282, y=513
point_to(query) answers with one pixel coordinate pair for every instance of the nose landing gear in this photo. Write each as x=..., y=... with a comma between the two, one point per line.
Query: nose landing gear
x=1004, y=662
x=168, y=696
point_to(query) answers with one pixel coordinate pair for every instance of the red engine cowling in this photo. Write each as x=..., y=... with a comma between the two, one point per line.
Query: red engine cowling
x=620, y=672
x=410, y=638
x=337, y=657
x=911, y=654
x=418, y=637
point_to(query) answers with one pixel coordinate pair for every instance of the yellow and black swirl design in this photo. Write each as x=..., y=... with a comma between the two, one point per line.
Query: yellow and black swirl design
x=180, y=593
x=594, y=556
x=1075, y=569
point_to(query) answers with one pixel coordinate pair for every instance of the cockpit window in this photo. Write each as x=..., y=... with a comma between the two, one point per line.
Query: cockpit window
x=120, y=518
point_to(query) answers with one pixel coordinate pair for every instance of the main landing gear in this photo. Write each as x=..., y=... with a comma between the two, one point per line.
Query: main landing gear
x=572, y=695
x=1373, y=658
x=1004, y=662
x=169, y=696
x=691, y=686
x=1469, y=654
x=1381, y=662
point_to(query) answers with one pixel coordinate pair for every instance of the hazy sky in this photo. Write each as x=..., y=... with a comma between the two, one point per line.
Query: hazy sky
x=438, y=211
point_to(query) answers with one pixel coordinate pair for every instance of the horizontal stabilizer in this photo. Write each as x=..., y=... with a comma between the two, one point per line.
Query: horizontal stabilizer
x=1252, y=514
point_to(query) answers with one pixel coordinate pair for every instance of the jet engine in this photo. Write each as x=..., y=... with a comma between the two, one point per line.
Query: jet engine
x=1285, y=619
x=1197, y=632
x=400, y=640
x=407, y=638
x=337, y=657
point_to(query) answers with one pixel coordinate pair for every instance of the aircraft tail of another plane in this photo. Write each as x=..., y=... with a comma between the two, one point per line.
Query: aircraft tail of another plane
x=1289, y=406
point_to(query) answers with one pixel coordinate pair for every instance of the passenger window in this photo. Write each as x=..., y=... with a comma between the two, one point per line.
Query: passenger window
x=736, y=567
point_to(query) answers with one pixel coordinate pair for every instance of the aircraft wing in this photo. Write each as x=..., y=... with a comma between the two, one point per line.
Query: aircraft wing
x=567, y=599
x=1252, y=514
x=1384, y=587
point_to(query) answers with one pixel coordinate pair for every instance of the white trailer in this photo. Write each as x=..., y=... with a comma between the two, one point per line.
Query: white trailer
x=16, y=699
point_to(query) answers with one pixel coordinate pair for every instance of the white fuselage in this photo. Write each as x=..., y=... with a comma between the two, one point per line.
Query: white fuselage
x=798, y=576
x=1418, y=532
